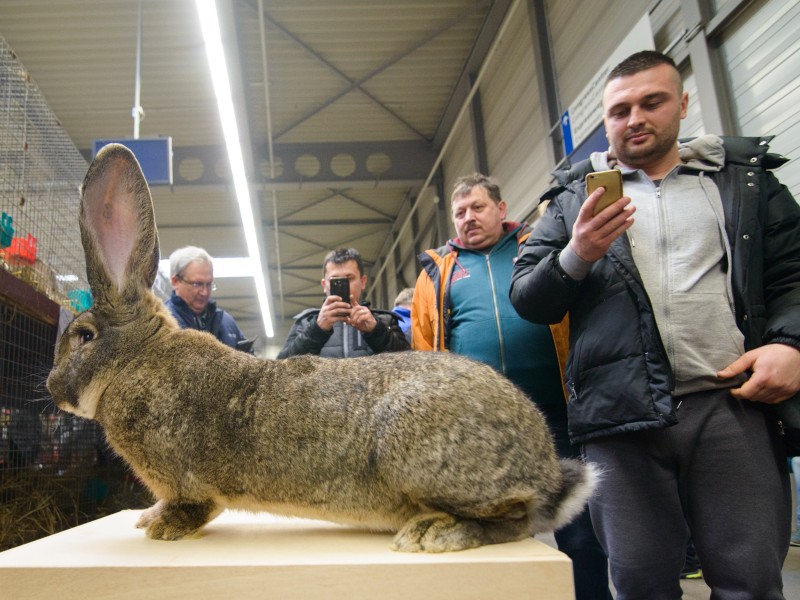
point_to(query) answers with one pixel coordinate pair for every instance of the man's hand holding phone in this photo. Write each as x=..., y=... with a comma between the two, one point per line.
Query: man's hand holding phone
x=605, y=215
x=611, y=182
x=336, y=306
x=361, y=318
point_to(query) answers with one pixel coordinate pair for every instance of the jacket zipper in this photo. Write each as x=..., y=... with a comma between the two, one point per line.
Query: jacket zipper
x=496, y=317
x=345, y=341
x=665, y=283
x=726, y=245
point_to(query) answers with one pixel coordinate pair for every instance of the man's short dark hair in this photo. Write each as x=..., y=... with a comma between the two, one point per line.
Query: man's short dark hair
x=638, y=62
x=341, y=256
x=464, y=185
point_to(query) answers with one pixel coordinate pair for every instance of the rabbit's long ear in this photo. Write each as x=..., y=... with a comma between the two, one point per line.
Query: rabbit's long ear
x=118, y=228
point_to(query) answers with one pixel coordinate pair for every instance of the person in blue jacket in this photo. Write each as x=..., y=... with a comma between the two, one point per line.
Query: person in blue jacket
x=402, y=308
x=192, y=277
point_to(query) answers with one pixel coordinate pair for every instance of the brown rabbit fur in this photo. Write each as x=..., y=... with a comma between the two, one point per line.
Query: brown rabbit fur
x=441, y=449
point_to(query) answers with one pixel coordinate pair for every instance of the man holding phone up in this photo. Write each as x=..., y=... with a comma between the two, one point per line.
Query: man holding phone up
x=341, y=327
x=684, y=328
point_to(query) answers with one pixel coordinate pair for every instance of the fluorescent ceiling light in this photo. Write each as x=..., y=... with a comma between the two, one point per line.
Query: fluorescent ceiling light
x=209, y=23
x=239, y=266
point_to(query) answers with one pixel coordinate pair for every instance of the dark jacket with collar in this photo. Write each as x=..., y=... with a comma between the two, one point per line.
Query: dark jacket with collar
x=217, y=322
x=343, y=341
x=618, y=376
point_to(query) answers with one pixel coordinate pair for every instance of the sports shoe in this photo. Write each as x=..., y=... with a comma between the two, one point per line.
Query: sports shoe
x=795, y=539
x=690, y=572
x=691, y=564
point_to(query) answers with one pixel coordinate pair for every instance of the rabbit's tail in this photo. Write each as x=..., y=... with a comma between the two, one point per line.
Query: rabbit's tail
x=579, y=479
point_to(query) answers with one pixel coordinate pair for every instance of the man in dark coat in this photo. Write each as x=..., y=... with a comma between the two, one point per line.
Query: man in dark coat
x=342, y=327
x=684, y=328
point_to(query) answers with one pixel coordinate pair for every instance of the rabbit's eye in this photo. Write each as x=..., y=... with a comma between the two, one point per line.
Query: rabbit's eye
x=85, y=336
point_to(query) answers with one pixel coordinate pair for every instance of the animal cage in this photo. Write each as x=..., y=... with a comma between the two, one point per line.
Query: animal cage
x=55, y=469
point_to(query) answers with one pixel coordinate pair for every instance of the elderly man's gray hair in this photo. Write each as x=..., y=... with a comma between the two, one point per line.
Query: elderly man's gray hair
x=183, y=257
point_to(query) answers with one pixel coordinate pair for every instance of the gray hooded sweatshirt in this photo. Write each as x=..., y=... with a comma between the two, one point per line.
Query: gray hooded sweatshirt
x=679, y=246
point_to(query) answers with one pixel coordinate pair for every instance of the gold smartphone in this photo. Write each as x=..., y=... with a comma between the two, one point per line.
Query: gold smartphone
x=611, y=181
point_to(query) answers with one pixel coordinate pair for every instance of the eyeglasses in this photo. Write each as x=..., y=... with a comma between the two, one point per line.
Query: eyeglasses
x=199, y=285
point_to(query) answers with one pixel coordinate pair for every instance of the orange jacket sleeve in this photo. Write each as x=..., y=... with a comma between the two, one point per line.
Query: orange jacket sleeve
x=424, y=316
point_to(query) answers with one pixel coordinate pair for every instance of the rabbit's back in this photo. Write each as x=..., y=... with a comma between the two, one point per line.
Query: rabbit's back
x=432, y=425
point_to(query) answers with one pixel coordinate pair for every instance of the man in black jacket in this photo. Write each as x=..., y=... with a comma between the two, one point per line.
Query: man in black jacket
x=343, y=328
x=684, y=327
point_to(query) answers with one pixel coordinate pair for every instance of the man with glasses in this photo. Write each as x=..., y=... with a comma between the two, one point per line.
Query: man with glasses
x=192, y=276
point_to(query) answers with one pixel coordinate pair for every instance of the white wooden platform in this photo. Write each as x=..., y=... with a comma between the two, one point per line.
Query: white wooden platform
x=241, y=556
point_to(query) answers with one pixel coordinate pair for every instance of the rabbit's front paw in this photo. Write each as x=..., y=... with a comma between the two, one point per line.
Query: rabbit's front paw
x=438, y=532
x=175, y=520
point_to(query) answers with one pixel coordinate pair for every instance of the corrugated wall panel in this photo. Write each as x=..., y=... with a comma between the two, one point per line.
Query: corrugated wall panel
x=692, y=125
x=516, y=133
x=427, y=212
x=459, y=159
x=666, y=19
x=583, y=39
x=762, y=51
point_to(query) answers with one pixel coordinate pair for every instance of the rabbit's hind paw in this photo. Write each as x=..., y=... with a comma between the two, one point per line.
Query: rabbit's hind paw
x=438, y=532
x=149, y=515
x=176, y=520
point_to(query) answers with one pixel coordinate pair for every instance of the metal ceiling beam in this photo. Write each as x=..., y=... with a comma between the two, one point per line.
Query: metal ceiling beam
x=270, y=148
x=331, y=222
x=304, y=240
x=283, y=223
x=372, y=163
x=369, y=161
x=317, y=268
x=388, y=218
x=546, y=78
x=347, y=242
x=390, y=184
x=340, y=73
x=357, y=84
x=305, y=207
x=481, y=157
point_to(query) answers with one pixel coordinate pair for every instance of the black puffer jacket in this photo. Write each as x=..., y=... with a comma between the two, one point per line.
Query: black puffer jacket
x=618, y=376
x=343, y=341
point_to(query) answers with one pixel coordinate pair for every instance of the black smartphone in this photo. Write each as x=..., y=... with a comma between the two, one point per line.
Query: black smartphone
x=340, y=286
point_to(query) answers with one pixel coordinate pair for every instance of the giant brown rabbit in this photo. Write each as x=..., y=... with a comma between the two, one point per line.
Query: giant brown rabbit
x=438, y=448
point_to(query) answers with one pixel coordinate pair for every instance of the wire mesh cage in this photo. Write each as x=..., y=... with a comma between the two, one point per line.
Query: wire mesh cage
x=40, y=174
x=55, y=469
